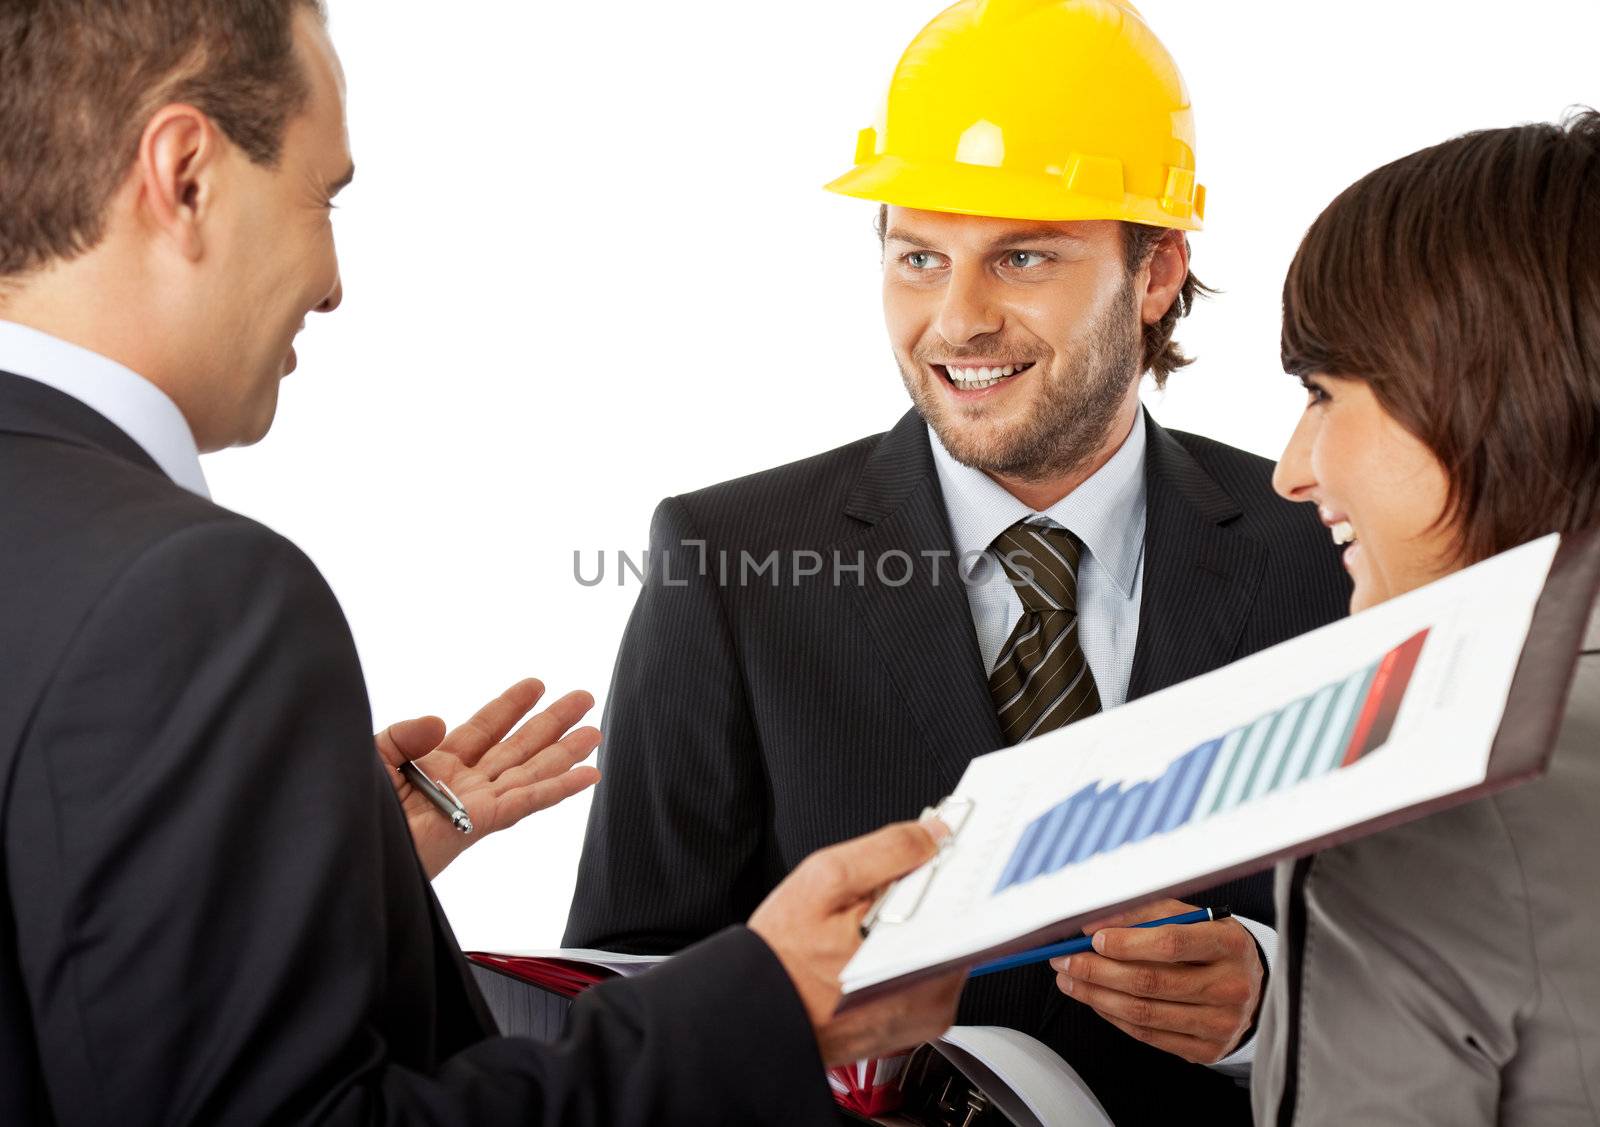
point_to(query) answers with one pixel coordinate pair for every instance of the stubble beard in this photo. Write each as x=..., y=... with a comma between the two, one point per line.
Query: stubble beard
x=1074, y=411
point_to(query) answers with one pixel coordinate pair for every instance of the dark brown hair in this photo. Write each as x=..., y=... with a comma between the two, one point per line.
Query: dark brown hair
x=1162, y=356
x=81, y=79
x=1462, y=283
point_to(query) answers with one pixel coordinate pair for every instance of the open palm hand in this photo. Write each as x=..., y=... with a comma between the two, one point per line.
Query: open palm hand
x=499, y=778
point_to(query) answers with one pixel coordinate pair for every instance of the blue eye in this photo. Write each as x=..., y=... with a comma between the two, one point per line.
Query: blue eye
x=919, y=260
x=1022, y=259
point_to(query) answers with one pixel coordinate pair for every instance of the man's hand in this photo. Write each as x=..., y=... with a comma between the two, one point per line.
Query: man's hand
x=812, y=922
x=499, y=780
x=1190, y=989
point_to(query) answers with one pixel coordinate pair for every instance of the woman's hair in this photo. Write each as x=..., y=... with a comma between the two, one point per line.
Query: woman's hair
x=1462, y=283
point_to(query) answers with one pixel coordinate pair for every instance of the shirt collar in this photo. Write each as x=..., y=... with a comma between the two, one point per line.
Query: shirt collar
x=1106, y=512
x=132, y=403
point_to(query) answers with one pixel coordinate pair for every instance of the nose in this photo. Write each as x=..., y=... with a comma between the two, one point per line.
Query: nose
x=968, y=310
x=335, y=296
x=1293, y=477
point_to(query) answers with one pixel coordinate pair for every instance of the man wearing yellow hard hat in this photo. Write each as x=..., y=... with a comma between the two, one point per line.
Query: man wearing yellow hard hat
x=823, y=647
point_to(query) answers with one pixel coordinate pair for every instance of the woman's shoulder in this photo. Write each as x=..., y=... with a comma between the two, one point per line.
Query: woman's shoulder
x=1555, y=820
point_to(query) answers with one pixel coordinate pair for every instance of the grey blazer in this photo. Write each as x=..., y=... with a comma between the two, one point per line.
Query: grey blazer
x=1449, y=970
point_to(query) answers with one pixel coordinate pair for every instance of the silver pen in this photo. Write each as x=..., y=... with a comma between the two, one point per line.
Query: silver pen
x=438, y=794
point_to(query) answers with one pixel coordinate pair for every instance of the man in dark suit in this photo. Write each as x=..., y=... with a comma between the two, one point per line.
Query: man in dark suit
x=827, y=644
x=211, y=909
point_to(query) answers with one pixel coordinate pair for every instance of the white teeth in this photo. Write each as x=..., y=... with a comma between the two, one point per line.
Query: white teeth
x=1343, y=533
x=972, y=379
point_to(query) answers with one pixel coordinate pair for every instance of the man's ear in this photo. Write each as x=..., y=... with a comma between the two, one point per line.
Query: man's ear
x=176, y=170
x=1165, y=273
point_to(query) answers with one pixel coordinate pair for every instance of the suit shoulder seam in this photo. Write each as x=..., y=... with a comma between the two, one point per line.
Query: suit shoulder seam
x=837, y=453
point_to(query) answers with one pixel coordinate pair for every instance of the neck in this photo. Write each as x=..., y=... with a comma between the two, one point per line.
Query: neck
x=1040, y=494
x=87, y=302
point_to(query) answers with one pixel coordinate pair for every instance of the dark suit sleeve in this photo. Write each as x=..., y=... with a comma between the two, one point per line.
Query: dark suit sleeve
x=678, y=843
x=221, y=918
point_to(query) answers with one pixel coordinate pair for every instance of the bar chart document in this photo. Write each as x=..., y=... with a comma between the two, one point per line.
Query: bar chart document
x=1437, y=696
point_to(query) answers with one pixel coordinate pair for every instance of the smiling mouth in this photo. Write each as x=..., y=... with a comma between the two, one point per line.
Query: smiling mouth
x=978, y=377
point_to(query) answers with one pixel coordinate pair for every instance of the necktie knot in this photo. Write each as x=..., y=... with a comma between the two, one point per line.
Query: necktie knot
x=1042, y=678
x=1042, y=563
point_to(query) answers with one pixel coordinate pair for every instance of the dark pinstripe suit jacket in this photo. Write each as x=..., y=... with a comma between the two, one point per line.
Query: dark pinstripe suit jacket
x=758, y=713
x=211, y=912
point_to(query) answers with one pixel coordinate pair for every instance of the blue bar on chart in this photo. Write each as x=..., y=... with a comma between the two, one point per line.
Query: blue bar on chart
x=1328, y=729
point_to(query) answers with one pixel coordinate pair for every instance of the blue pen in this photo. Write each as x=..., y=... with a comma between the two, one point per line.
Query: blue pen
x=1086, y=942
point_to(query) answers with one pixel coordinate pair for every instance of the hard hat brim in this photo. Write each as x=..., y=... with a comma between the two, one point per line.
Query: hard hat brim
x=994, y=192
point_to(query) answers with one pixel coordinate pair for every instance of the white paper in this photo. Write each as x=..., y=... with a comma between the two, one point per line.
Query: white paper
x=1030, y=1084
x=1449, y=708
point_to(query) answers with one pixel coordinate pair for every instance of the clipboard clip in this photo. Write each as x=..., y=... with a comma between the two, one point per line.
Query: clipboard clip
x=900, y=901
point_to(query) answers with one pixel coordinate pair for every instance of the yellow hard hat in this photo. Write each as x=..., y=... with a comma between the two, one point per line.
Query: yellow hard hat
x=1035, y=109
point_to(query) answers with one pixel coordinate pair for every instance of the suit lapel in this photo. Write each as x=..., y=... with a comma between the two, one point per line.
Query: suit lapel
x=1200, y=577
x=922, y=628
x=1200, y=581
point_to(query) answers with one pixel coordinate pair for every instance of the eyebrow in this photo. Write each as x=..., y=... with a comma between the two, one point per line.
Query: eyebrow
x=999, y=242
x=343, y=182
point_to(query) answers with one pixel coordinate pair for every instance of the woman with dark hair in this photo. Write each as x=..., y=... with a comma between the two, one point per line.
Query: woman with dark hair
x=1444, y=316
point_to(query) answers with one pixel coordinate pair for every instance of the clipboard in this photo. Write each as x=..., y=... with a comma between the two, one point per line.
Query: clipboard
x=1520, y=751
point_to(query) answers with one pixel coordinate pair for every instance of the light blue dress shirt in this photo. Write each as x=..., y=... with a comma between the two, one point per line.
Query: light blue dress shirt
x=1107, y=513
x=130, y=402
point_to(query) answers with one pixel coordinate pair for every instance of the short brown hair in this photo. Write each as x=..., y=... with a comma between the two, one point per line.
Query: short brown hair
x=1162, y=356
x=82, y=78
x=1462, y=283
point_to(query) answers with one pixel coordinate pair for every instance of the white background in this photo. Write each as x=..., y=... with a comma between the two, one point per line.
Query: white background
x=588, y=263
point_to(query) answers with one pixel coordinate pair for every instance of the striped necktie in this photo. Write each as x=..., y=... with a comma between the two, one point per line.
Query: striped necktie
x=1042, y=680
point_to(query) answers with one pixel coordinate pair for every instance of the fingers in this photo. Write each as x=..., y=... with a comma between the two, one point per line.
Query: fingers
x=1189, y=989
x=489, y=725
x=1203, y=1018
x=550, y=763
x=538, y=733
x=541, y=796
x=1155, y=910
x=409, y=739
x=1145, y=980
x=1176, y=1017
x=854, y=870
x=1174, y=943
x=1196, y=1031
x=1211, y=984
x=1192, y=1049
